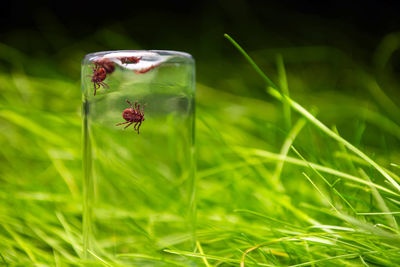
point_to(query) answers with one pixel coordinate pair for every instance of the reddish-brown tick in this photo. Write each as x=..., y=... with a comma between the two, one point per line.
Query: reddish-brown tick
x=98, y=77
x=133, y=115
x=105, y=63
x=133, y=60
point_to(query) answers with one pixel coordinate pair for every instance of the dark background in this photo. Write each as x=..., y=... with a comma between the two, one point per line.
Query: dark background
x=179, y=25
x=59, y=29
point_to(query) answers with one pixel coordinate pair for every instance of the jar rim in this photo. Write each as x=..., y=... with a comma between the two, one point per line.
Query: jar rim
x=150, y=54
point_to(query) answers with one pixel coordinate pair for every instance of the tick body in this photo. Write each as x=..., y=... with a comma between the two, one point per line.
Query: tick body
x=105, y=63
x=98, y=77
x=133, y=60
x=133, y=115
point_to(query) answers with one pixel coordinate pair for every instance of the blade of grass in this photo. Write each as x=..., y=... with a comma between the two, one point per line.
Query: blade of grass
x=198, y=245
x=105, y=263
x=325, y=180
x=52, y=243
x=250, y=60
x=333, y=135
x=381, y=203
x=210, y=257
x=66, y=175
x=395, y=165
x=320, y=192
x=57, y=260
x=273, y=90
x=379, y=95
x=4, y=260
x=285, y=149
x=363, y=261
x=151, y=258
x=352, y=255
x=294, y=161
x=71, y=239
x=379, y=213
x=21, y=243
x=344, y=150
x=285, y=90
x=277, y=240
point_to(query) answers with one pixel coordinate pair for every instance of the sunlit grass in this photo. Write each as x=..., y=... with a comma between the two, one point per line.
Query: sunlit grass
x=309, y=179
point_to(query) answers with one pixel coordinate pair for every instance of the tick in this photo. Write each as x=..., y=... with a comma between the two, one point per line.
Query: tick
x=133, y=115
x=105, y=63
x=98, y=77
x=133, y=60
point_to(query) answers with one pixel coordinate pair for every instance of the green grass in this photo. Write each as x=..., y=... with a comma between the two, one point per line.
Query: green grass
x=304, y=176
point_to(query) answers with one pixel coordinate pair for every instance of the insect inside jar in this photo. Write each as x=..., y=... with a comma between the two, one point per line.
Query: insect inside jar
x=133, y=115
x=98, y=77
x=105, y=63
x=132, y=59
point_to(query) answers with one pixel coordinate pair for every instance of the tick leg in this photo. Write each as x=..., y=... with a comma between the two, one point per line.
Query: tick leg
x=128, y=125
x=136, y=105
x=138, y=127
x=142, y=108
x=135, y=125
x=122, y=123
x=95, y=87
x=130, y=104
x=104, y=84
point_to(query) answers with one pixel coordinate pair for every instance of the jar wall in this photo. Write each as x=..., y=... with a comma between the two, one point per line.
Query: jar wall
x=138, y=167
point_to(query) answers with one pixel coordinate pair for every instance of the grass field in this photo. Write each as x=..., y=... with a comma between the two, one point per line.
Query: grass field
x=305, y=175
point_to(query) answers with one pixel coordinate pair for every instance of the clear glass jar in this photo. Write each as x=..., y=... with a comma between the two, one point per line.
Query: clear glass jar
x=138, y=151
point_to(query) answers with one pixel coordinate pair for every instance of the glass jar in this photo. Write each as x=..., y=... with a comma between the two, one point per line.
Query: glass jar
x=138, y=154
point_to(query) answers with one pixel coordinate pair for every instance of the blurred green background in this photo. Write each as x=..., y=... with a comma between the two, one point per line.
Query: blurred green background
x=339, y=60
